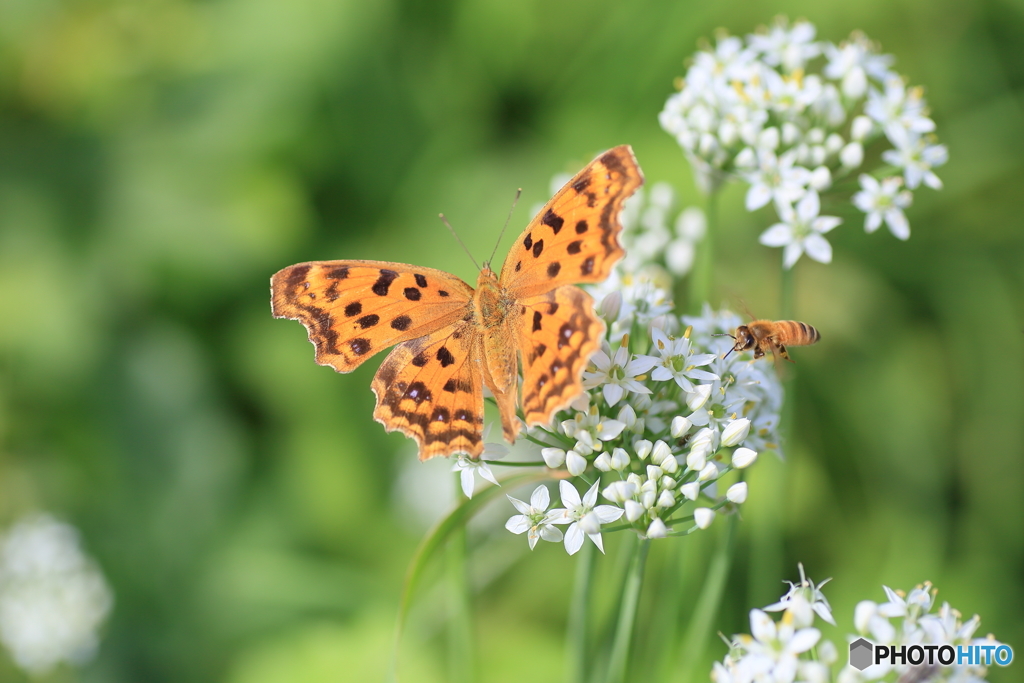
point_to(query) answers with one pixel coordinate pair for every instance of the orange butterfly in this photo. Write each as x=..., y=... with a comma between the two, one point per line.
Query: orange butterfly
x=454, y=340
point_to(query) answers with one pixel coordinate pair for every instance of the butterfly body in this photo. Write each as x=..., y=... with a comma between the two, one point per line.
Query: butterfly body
x=451, y=340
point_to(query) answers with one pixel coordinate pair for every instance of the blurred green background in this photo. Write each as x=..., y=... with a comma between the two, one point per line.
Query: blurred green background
x=160, y=159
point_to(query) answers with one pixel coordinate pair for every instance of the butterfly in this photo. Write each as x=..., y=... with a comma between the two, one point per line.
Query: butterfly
x=452, y=340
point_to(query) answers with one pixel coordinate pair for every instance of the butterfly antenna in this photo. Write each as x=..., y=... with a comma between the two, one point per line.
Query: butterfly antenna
x=502, y=233
x=459, y=239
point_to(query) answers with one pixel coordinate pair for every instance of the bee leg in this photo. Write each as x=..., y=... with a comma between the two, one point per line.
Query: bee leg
x=758, y=352
x=785, y=354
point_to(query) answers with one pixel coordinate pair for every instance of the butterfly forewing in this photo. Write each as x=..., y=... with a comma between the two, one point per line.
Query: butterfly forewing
x=431, y=390
x=559, y=333
x=575, y=237
x=354, y=309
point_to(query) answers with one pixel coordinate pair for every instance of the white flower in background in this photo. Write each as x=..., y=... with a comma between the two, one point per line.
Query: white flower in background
x=766, y=111
x=772, y=650
x=617, y=374
x=53, y=598
x=536, y=519
x=811, y=595
x=917, y=157
x=802, y=232
x=884, y=201
x=789, y=47
x=585, y=515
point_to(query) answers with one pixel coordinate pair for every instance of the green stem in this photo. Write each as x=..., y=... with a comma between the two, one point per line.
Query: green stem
x=703, y=269
x=623, y=639
x=666, y=616
x=706, y=610
x=461, y=646
x=579, y=615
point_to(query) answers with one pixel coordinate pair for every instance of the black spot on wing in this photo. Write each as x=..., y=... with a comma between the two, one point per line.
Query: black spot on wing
x=581, y=183
x=359, y=346
x=339, y=273
x=332, y=292
x=412, y=294
x=613, y=163
x=368, y=320
x=445, y=356
x=383, y=283
x=528, y=241
x=554, y=220
x=418, y=392
x=401, y=323
x=587, y=266
x=440, y=415
x=564, y=334
x=420, y=280
x=536, y=320
x=575, y=247
x=441, y=292
x=297, y=275
x=353, y=309
x=553, y=268
x=581, y=227
x=420, y=359
x=538, y=248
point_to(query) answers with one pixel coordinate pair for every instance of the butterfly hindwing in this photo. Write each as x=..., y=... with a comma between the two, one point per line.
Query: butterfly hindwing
x=354, y=309
x=558, y=335
x=431, y=390
x=575, y=237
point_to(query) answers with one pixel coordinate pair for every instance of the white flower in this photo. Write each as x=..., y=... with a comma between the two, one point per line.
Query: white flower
x=536, y=519
x=790, y=48
x=467, y=467
x=53, y=598
x=802, y=231
x=586, y=517
x=853, y=62
x=616, y=375
x=773, y=648
x=676, y=361
x=917, y=158
x=899, y=111
x=657, y=529
x=884, y=201
x=776, y=178
x=810, y=593
x=575, y=463
x=852, y=155
x=620, y=491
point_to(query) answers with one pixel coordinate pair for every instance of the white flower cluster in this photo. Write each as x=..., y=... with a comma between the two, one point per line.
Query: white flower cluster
x=792, y=650
x=792, y=116
x=916, y=624
x=664, y=420
x=53, y=598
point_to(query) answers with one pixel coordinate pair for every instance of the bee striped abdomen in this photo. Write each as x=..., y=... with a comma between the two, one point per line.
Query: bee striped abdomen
x=796, y=333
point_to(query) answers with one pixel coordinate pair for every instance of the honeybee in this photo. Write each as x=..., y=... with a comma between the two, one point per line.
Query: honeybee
x=774, y=336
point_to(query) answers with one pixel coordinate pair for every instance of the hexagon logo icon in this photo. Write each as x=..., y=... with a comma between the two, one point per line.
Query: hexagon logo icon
x=860, y=654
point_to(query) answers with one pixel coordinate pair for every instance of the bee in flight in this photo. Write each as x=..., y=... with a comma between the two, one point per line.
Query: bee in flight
x=772, y=335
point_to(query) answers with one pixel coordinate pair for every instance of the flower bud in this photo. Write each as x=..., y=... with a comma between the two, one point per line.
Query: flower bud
x=603, y=462
x=852, y=155
x=648, y=498
x=735, y=431
x=643, y=448
x=670, y=464
x=696, y=458
x=743, y=457
x=746, y=158
x=657, y=529
x=860, y=128
x=619, y=459
x=680, y=425
x=709, y=472
x=703, y=517
x=737, y=493
x=610, y=306
x=660, y=452
x=634, y=510
x=619, y=491
x=654, y=473
x=698, y=397
x=816, y=136
x=790, y=133
x=575, y=463
x=666, y=499
x=821, y=178
x=584, y=442
x=553, y=457
x=833, y=143
x=769, y=138
x=667, y=483
x=591, y=523
x=691, y=490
